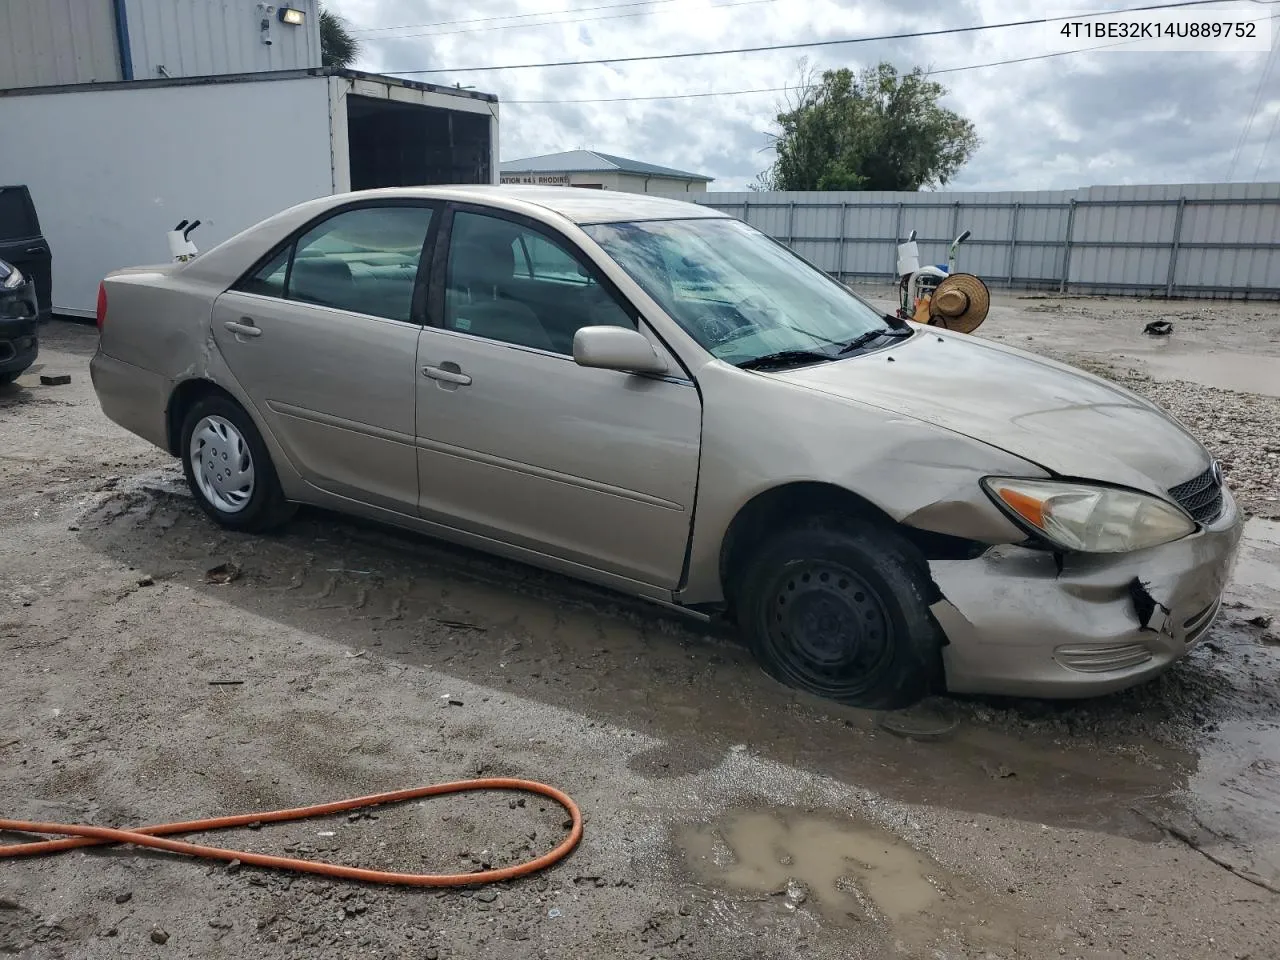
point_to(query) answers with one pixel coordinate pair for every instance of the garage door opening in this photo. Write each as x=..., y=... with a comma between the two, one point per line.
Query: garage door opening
x=395, y=144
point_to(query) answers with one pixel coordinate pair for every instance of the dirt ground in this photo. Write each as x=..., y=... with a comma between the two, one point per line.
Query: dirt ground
x=726, y=817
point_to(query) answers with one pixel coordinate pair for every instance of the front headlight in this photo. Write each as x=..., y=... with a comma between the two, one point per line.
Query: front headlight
x=1089, y=519
x=13, y=280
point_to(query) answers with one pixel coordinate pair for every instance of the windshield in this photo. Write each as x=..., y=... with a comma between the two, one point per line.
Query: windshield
x=741, y=295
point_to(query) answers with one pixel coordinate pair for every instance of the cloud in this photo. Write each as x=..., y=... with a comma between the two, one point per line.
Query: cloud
x=1087, y=118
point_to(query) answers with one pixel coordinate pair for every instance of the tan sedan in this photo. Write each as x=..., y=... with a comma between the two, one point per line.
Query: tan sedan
x=658, y=398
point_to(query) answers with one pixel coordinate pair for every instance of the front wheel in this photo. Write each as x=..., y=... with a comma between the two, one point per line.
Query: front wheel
x=842, y=614
x=228, y=468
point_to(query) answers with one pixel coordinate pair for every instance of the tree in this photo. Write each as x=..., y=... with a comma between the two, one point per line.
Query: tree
x=337, y=47
x=875, y=131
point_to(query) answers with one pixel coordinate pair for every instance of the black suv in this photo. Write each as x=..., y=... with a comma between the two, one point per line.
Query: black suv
x=26, y=282
x=19, y=320
x=23, y=246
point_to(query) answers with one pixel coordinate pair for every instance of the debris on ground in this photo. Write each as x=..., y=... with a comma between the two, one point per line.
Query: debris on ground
x=55, y=380
x=222, y=574
x=796, y=892
x=920, y=722
x=997, y=771
x=1158, y=328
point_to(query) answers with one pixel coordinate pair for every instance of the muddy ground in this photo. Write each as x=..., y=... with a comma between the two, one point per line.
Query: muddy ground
x=725, y=816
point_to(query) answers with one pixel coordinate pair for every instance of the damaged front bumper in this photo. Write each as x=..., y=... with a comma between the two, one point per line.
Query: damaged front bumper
x=1017, y=624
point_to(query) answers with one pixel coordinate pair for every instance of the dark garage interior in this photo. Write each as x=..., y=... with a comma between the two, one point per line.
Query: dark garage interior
x=400, y=144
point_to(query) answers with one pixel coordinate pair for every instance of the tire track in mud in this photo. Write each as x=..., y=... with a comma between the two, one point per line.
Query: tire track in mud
x=443, y=599
x=395, y=600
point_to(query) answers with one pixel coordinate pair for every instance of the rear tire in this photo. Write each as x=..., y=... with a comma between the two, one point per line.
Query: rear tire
x=842, y=612
x=229, y=469
x=7, y=378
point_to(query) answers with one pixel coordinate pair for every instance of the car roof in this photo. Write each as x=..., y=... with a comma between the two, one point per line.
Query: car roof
x=579, y=205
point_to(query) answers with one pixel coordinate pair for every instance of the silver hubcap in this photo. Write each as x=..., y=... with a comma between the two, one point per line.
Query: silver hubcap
x=222, y=464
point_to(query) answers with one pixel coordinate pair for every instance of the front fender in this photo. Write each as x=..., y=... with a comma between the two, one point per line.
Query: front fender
x=761, y=432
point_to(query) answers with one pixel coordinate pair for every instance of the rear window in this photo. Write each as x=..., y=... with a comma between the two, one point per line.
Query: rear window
x=17, y=216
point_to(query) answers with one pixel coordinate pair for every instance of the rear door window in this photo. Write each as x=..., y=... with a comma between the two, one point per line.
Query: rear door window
x=363, y=261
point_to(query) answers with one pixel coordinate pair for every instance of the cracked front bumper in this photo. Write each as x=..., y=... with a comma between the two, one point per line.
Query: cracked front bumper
x=1017, y=626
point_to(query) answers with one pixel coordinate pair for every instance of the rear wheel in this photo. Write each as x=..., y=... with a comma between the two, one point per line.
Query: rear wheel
x=228, y=468
x=842, y=613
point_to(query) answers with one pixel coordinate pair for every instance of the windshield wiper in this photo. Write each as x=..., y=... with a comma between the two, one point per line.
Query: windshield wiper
x=782, y=358
x=862, y=339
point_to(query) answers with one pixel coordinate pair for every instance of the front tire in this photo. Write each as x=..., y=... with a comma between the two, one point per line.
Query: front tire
x=228, y=468
x=843, y=613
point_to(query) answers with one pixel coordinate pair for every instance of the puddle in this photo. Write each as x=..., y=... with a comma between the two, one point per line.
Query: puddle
x=1226, y=371
x=1236, y=796
x=1256, y=575
x=1234, y=792
x=848, y=869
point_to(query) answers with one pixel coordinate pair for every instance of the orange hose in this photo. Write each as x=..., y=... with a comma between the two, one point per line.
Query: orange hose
x=87, y=836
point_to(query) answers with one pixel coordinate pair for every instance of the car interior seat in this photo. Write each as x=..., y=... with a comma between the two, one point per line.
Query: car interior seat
x=478, y=297
x=324, y=281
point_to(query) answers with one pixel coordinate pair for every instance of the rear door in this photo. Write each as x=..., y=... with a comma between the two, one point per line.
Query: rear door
x=323, y=335
x=22, y=244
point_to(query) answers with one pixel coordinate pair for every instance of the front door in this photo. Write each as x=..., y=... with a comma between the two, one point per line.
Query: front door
x=520, y=444
x=323, y=337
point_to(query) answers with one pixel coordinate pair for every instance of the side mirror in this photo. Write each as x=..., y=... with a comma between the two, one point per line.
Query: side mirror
x=616, y=348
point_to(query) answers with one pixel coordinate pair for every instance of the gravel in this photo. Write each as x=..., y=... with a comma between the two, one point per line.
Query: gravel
x=1020, y=815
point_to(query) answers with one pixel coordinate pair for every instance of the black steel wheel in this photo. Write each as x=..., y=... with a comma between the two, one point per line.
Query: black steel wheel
x=843, y=614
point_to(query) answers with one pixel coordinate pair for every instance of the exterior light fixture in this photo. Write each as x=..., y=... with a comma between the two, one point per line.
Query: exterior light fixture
x=292, y=16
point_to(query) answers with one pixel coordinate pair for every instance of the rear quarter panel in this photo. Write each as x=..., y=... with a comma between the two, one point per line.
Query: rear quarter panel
x=157, y=320
x=156, y=335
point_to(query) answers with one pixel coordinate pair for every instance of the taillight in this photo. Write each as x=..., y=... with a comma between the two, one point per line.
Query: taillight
x=102, y=304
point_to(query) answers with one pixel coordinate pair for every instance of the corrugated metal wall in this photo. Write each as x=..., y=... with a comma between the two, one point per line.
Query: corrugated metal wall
x=1215, y=240
x=198, y=38
x=48, y=42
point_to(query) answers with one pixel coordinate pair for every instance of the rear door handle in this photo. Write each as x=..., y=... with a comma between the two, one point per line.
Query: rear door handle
x=448, y=376
x=243, y=327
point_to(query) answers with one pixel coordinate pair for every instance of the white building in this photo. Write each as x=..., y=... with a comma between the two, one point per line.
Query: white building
x=46, y=43
x=602, y=171
x=124, y=117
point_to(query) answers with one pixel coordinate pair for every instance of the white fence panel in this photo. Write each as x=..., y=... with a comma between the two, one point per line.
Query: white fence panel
x=1193, y=240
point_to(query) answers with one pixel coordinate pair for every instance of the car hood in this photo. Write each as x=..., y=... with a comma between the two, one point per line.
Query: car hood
x=1071, y=423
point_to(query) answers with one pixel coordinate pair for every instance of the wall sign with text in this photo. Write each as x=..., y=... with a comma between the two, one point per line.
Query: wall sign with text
x=542, y=179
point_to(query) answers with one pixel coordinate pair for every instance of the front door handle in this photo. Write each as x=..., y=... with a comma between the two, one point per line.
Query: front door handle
x=243, y=327
x=448, y=376
x=36, y=250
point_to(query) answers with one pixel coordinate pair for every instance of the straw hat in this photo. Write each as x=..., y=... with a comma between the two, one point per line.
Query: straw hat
x=960, y=303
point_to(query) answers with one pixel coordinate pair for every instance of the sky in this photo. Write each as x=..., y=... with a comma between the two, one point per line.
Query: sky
x=1089, y=118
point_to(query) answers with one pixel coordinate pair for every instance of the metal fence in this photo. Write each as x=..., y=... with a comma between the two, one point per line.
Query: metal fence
x=1198, y=240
